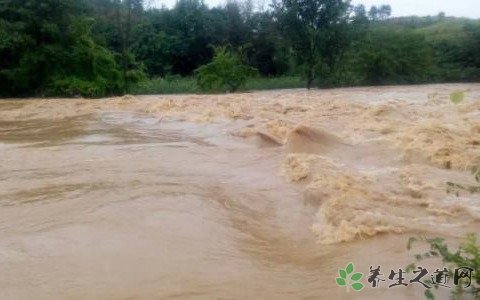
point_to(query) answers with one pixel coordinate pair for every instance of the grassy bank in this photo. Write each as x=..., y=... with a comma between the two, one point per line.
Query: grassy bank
x=273, y=83
x=187, y=85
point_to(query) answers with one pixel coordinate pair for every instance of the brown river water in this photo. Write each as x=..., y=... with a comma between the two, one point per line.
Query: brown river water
x=260, y=195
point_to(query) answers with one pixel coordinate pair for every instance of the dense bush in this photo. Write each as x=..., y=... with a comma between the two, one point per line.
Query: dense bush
x=226, y=72
x=86, y=69
x=467, y=255
x=47, y=49
x=317, y=31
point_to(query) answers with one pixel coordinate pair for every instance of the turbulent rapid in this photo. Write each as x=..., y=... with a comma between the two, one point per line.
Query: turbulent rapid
x=259, y=195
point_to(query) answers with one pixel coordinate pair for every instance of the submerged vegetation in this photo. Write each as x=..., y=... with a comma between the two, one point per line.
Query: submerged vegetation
x=456, y=188
x=102, y=47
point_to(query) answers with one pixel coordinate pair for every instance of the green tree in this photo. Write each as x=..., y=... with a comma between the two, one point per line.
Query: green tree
x=85, y=68
x=317, y=31
x=153, y=48
x=226, y=72
x=48, y=40
x=471, y=48
x=380, y=13
x=266, y=50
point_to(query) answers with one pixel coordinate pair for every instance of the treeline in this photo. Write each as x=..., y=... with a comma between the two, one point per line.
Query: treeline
x=103, y=47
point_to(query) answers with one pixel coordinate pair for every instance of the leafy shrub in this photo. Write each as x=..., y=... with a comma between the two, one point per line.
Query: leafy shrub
x=55, y=55
x=86, y=69
x=226, y=72
x=130, y=69
x=467, y=255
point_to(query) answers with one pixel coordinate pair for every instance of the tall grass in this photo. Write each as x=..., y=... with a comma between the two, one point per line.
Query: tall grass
x=273, y=83
x=188, y=85
x=167, y=85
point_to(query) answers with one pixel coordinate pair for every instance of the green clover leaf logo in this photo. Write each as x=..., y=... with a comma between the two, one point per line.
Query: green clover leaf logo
x=349, y=278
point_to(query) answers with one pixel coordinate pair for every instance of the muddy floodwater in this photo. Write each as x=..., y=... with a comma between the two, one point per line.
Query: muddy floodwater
x=261, y=195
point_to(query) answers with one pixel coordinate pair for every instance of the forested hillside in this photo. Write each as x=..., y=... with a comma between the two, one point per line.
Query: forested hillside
x=103, y=47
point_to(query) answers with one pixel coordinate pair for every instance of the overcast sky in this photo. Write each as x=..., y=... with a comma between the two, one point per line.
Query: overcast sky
x=458, y=8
